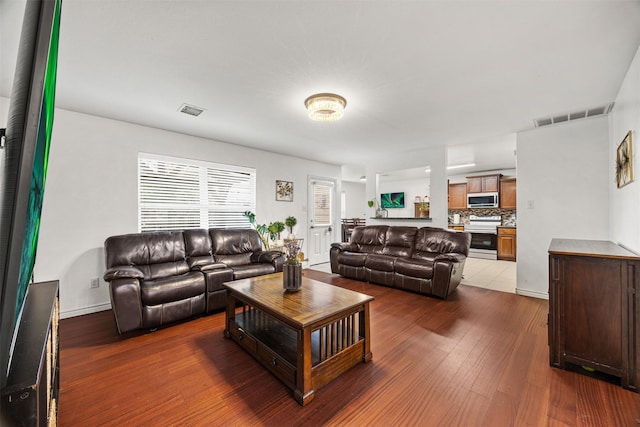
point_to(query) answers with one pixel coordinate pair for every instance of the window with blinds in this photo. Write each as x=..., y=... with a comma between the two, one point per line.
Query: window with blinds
x=176, y=194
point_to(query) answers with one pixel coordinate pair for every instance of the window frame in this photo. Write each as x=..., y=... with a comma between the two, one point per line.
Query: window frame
x=205, y=207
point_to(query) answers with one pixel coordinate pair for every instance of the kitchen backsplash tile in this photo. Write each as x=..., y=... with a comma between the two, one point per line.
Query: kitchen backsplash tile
x=508, y=215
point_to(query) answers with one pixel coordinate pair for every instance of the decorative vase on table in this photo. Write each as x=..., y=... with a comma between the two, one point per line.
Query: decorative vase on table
x=292, y=276
x=292, y=268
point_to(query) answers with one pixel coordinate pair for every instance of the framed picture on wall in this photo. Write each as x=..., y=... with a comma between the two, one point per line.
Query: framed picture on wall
x=284, y=191
x=624, y=162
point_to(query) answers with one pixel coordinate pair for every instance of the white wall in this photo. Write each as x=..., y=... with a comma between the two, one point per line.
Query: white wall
x=564, y=171
x=91, y=194
x=624, y=206
x=355, y=199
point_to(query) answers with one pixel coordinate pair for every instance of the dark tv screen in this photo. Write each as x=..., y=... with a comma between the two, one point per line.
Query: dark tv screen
x=23, y=162
x=392, y=200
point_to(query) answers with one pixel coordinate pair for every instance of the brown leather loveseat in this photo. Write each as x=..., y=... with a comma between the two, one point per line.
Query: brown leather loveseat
x=156, y=278
x=426, y=260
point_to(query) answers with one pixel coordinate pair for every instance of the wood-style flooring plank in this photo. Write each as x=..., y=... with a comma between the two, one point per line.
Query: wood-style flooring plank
x=479, y=358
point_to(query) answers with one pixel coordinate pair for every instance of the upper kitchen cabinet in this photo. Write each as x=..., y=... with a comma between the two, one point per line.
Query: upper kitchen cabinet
x=483, y=184
x=508, y=193
x=458, y=196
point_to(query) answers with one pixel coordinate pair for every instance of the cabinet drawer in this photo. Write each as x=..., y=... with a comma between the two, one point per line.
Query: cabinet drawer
x=277, y=365
x=240, y=336
x=506, y=231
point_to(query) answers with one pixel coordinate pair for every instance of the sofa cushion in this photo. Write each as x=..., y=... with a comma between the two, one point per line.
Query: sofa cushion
x=430, y=240
x=197, y=244
x=232, y=242
x=369, y=239
x=156, y=254
x=168, y=289
x=380, y=262
x=400, y=241
x=252, y=270
x=414, y=268
x=235, y=259
x=354, y=259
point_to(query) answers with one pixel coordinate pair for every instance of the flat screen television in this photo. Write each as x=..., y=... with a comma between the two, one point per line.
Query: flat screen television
x=392, y=200
x=23, y=163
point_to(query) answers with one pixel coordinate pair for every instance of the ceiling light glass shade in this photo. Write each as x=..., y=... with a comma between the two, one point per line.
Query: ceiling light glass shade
x=325, y=107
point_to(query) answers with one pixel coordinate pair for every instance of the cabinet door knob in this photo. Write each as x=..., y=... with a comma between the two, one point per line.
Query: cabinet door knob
x=274, y=361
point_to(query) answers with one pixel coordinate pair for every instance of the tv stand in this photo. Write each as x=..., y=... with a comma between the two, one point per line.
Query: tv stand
x=33, y=382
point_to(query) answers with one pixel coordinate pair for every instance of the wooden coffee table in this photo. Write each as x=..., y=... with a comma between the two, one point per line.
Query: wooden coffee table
x=305, y=338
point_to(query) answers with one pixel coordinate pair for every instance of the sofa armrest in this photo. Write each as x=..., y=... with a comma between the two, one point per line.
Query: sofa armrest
x=122, y=272
x=126, y=303
x=345, y=246
x=265, y=256
x=447, y=273
x=452, y=256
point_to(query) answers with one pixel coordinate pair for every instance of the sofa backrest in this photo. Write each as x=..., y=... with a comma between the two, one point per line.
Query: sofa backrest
x=430, y=241
x=197, y=244
x=369, y=238
x=157, y=254
x=234, y=247
x=400, y=241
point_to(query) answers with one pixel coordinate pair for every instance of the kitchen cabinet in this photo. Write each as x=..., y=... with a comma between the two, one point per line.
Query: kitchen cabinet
x=458, y=196
x=508, y=193
x=593, y=308
x=484, y=183
x=507, y=243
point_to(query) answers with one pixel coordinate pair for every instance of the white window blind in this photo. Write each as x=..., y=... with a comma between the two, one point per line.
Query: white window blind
x=176, y=194
x=322, y=204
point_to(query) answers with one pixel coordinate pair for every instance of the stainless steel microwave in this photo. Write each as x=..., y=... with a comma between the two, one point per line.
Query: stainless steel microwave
x=482, y=200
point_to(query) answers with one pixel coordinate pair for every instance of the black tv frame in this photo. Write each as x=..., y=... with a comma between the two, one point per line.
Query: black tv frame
x=38, y=41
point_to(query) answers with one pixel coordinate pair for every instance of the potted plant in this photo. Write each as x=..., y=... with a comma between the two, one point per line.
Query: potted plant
x=275, y=228
x=291, y=222
x=262, y=229
x=423, y=207
x=373, y=203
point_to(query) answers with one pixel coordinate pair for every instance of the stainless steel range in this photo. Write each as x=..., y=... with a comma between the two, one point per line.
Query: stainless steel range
x=484, y=236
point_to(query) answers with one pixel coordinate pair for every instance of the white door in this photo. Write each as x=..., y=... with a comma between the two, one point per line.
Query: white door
x=321, y=218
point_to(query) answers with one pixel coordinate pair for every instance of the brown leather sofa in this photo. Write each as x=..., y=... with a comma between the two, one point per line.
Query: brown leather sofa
x=426, y=260
x=161, y=277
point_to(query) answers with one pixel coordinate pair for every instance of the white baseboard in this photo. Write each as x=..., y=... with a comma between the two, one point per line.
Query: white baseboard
x=85, y=310
x=533, y=294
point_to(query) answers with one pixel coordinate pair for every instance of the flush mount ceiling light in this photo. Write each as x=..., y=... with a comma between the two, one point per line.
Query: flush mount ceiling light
x=325, y=107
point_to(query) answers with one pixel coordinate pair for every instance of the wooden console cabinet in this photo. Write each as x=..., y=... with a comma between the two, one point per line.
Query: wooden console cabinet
x=593, y=308
x=31, y=394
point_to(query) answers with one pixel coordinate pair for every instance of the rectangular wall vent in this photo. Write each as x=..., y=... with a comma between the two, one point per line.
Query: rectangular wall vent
x=192, y=110
x=559, y=118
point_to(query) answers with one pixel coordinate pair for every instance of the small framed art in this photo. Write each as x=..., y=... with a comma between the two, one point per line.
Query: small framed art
x=284, y=191
x=624, y=162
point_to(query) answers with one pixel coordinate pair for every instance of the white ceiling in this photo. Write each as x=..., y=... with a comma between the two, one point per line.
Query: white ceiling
x=464, y=74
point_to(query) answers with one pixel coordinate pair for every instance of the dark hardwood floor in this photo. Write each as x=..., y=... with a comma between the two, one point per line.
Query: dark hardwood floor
x=478, y=359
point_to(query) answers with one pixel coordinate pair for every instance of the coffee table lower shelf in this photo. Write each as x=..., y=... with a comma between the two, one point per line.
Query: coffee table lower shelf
x=305, y=358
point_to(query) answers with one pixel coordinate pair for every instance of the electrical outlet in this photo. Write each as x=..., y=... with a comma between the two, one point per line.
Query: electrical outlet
x=95, y=282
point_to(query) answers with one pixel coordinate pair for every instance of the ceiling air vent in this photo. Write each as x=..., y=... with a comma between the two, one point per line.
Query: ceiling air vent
x=575, y=115
x=192, y=110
